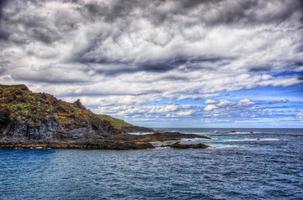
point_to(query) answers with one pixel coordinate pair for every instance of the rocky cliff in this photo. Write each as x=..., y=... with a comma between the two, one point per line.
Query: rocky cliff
x=29, y=115
x=30, y=119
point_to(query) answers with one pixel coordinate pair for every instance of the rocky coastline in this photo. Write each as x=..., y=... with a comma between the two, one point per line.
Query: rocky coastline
x=39, y=120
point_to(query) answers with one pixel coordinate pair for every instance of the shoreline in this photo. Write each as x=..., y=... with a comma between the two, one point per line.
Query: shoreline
x=126, y=142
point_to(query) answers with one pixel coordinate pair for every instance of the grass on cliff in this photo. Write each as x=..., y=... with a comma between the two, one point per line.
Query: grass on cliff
x=21, y=103
x=117, y=123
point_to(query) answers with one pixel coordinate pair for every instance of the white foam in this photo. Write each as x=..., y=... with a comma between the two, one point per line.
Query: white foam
x=240, y=133
x=164, y=143
x=159, y=148
x=222, y=146
x=140, y=133
x=193, y=139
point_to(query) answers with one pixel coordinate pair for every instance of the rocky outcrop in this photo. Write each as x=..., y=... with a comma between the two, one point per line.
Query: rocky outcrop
x=166, y=136
x=178, y=145
x=79, y=104
x=110, y=145
x=133, y=129
x=37, y=120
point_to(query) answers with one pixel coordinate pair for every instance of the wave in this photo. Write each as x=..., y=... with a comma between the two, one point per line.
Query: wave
x=140, y=133
x=241, y=133
x=222, y=146
x=251, y=140
x=194, y=139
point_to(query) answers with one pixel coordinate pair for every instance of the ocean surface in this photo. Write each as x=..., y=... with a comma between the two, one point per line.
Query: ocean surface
x=241, y=164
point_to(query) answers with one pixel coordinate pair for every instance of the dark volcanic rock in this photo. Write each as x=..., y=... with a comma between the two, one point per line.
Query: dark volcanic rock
x=110, y=145
x=132, y=129
x=4, y=120
x=188, y=146
x=166, y=136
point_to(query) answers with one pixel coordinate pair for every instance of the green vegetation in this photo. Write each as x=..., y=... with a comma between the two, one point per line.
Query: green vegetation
x=117, y=123
x=21, y=104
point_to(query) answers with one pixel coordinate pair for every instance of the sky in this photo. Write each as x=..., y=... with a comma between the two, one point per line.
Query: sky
x=190, y=63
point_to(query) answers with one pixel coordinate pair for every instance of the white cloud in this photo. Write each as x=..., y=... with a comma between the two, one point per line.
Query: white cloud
x=185, y=113
x=162, y=109
x=246, y=102
x=210, y=101
x=223, y=103
x=228, y=108
x=210, y=107
x=300, y=115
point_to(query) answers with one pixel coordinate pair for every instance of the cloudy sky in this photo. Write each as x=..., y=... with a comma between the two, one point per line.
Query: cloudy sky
x=191, y=63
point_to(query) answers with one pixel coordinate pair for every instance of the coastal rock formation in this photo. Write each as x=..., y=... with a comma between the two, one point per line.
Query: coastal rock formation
x=166, y=136
x=39, y=120
x=178, y=145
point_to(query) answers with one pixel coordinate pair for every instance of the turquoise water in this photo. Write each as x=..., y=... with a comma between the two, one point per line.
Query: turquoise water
x=264, y=164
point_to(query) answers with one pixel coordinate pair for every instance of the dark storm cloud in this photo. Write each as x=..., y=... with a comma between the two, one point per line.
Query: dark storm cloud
x=3, y=33
x=2, y=70
x=44, y=35
x=258, y=69
x=2, y=4
x=244, y=12
x=156, y=66
x=227, y=12
x=44, y=78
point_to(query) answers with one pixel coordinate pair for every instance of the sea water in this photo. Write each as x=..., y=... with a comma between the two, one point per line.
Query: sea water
x=240, y=164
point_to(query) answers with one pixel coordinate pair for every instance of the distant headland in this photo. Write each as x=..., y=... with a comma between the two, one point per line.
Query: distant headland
x=39, y=120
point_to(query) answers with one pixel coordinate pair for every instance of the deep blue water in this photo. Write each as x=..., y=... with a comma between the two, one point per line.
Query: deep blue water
x=266, y=164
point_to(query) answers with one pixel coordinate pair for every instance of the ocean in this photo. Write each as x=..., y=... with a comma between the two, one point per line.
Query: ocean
x=240, y=164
